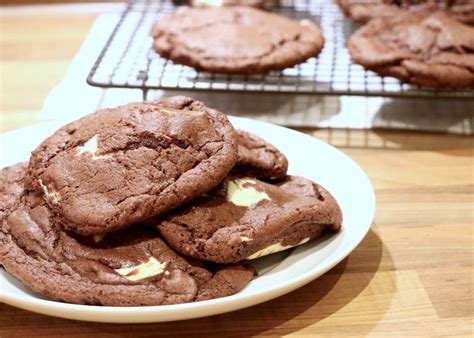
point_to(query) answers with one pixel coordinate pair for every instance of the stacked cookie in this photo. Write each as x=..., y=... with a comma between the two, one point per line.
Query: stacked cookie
x=425, y=43
x=152, y=203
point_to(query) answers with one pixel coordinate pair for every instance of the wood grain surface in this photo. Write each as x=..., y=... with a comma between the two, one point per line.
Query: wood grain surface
x=411, y=276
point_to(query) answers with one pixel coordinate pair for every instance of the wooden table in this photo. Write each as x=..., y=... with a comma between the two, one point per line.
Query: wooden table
x=411, y=275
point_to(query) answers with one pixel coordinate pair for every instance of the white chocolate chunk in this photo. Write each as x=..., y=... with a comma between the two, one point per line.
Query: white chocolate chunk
x=88, y=147
x=274, y=248
x=305, y=22
x=144, y=270
x=244, y=196
x=91, y=147
x=245, y=239
x=98, y=238
x=51, y=196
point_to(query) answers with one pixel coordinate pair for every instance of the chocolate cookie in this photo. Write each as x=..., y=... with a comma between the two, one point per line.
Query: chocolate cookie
x=120, y=166
x=130, y=267
x=434, y=50
x=239, y=40
x=258, y=158
x=245, y=218
x=366, y=10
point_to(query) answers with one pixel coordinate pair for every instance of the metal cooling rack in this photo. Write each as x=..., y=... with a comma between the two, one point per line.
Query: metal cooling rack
x=129, y=61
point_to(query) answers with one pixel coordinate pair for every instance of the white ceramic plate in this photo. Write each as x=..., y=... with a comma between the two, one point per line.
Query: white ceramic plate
x=278, y=273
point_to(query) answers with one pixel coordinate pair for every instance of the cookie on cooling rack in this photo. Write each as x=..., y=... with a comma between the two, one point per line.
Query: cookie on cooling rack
x=239, y=40
x=131, y=267
x=121, y=166
x=245, y=218
x=365, y=10
x=432, y=50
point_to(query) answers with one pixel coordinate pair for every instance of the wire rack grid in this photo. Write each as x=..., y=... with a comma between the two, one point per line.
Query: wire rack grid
x=129, y=61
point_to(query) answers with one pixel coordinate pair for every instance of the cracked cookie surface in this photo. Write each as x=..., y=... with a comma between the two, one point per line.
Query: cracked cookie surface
x=130, y=267
x=120, y=166
x=428, y=50
x=258, y=158
x=366, y=10
x=238, y=40
x=245, y=218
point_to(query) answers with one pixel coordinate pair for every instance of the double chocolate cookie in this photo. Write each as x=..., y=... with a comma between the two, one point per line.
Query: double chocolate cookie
x=366, y=10
x=428, y=50
x=120, y=166
x=130, y=267
x=258, y=158
x=245, y=218
x=152, y=203
x=239, y=40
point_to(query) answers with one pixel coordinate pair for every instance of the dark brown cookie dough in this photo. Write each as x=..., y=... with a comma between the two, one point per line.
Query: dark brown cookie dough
x=427, y=50
x=366, y=10
x=258, y=158
x=130, y=267
x=240, y=40
x=120, y=166
x=245, y=218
